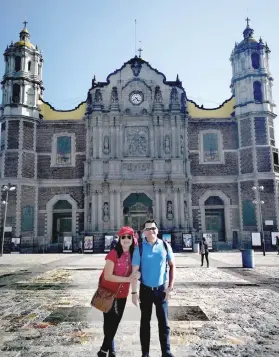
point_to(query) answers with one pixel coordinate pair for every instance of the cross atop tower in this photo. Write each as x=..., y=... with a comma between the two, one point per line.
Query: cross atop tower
x=247, y=20
x=140, y=51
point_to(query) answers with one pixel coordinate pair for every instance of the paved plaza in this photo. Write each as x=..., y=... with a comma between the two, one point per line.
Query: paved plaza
x=223, y=310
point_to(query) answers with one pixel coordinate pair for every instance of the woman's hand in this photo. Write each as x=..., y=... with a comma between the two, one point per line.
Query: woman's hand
x=134, y=276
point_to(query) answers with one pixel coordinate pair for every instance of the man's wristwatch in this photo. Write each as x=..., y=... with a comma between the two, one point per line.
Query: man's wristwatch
x=170, y=288
x=134, y=293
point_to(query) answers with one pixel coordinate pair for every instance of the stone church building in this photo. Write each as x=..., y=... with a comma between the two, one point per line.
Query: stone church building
x=138, y=148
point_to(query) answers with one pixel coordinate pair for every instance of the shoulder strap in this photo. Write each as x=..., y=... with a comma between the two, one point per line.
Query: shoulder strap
x=140, y=253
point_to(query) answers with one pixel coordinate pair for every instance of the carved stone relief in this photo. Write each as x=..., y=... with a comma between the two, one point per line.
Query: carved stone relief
x=181, y=144
x=136, y=67
x=98, y=96
x=114, y=95
x=158, y=95
x=136, y=141
x=174, y=96
x=137, y=167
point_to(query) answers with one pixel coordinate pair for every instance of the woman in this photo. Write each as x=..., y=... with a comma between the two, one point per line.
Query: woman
x=117, y=277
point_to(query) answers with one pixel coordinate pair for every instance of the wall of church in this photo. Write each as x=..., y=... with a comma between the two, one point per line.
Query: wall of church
x=28, y=136
x=46, y=193
x=28, y=165
x=13, y=134
x=11, y=165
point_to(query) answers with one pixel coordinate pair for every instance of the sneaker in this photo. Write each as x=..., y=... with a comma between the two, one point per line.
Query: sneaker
x=167, y=354
x=145, y=355
x=101, y=353
x=112, y=354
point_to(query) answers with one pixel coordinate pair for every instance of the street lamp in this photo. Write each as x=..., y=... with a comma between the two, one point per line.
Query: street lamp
x=5, y=188
x=259, y=203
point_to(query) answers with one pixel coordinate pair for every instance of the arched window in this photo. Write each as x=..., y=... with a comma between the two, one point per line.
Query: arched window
x=17, y=63
x=255, y=60
x=257, y=86
x=16, y=93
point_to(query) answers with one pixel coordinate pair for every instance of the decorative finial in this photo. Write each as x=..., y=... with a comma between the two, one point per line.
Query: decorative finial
x=25, y=22
x=177, y=78
x=247, y=19
x=260, y=40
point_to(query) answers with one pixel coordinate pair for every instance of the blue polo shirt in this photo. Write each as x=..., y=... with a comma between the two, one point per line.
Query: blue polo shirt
x=153, y=262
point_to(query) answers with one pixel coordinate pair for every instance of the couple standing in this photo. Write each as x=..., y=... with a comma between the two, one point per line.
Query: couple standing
x=125, y=264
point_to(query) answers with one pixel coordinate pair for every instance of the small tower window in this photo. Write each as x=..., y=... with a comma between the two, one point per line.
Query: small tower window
x=255, y=60
x=29, y=66
x=17, y=63
x=257, y=86
x=16, y=93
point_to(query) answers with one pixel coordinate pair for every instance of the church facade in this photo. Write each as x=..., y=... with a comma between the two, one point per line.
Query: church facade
x=138, y=148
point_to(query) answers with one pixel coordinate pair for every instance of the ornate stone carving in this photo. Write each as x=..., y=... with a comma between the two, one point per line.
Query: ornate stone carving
x=106, y=212
x=158, y=95
x=169, y=210
x=167, y=144
x=137, y=167
x=106, y=148
x=183, y=101
x=185, y=210
x=136, y=141
x=181, y=144
x=136, y=68
x=114, y=95
x=98, y=96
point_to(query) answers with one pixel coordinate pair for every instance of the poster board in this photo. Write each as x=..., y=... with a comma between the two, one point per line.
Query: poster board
x=108, y=241
x=88, y=244
x=67, y=244
x=167, y=238
x=208, y=239
x=187, y=242
x=15, y=245
x=273, y=237
x=256, y=239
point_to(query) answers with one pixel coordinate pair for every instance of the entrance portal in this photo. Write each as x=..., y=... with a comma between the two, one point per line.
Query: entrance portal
x=62, y=220
x=137, y=208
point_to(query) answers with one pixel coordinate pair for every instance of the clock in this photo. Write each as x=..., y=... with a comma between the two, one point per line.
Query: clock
x=136, y=98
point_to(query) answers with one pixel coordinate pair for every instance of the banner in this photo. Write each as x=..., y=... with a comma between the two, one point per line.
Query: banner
x=256, y=239
x=67, y=244
x=108, y=241
x=15, y=245
x=167, y=238
x=208, y=239
x=187, y=242
x=88, y=244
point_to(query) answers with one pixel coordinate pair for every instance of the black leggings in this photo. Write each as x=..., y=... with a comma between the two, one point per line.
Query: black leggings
x=206, y=257
x=111, y=321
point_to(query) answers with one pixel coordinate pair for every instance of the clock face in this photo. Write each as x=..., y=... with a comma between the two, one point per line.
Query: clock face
x=136, y=97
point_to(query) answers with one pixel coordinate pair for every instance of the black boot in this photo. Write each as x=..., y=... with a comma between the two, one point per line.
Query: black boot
x=112, y=354
x=101, y=353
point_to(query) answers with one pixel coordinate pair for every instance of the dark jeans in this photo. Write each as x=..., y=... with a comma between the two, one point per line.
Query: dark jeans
x=111, y=322
x=206, y=257
x=147, y=298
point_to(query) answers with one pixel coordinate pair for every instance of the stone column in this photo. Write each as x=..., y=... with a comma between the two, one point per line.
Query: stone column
x=157, y=205
x=161, y=149
x=100, y=209
x=173, y=140
x=175, y=208
x=118, y=151
x=152, y=141
x=121, y=141
x=118, y=209
x=94, y=209
x=112, y=142
x=181, y=207
x=111, y=208
x=100, y=137
x=163, y=208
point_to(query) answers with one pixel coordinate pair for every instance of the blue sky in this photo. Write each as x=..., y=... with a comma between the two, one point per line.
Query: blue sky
x=194, y=38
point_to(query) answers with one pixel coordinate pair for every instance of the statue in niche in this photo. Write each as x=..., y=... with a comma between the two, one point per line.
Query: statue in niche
x=185, y=210
x=167, y=144
x=181, y=144
x=89, y=98
x=183, y=101
x=158, y=95
x=94, y=82
x=114, y=95
x=136, y=67
x=174, y=96
x=106, y=212
x=106, y=149
x=169, y=210
x=98, y=96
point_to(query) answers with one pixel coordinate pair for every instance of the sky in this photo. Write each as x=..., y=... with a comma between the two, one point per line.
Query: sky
x=191, y=38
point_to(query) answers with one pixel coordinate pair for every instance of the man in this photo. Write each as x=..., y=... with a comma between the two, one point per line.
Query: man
x=114, y=242
x=204, y=251
x=152, y=258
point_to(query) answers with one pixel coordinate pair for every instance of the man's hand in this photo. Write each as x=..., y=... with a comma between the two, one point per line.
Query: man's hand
x=135, y=299
x=168, y=291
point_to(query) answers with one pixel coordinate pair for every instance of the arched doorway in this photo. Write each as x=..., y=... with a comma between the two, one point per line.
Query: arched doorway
x=62, y=220
x=215, y=217
x=137, y=208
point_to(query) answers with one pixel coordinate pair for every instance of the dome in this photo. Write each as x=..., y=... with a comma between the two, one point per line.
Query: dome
x=24, y=43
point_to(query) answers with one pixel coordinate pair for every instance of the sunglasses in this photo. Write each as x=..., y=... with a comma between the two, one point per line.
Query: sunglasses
x=126, y=237
x=150, y=228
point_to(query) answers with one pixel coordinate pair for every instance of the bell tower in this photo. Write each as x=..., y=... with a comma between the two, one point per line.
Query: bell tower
x=19, y=116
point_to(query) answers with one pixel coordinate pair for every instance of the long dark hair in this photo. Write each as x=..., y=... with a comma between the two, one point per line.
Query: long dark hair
x=118, y=247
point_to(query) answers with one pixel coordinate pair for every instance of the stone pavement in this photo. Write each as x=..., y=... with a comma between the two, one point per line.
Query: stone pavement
x=221, y=311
